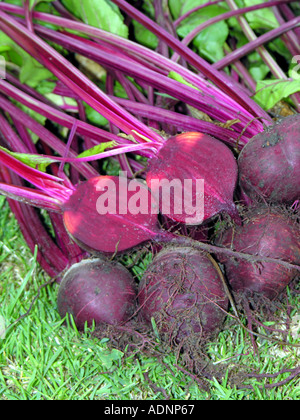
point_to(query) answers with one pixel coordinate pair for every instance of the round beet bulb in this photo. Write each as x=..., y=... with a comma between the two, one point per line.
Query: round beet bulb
x=269, y=165
x=97, y=290
x=267, y=233
x=181, y=165
x=183, y=292
x=110, y=214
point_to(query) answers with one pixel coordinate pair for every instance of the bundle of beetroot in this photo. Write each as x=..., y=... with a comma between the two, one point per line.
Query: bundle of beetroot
x=175, y=170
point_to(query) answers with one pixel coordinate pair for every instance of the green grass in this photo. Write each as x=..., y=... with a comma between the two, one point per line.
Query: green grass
x=42, y=358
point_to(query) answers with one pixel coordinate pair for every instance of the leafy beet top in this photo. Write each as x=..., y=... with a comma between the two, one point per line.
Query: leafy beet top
x=186, y=160
x=111, y=214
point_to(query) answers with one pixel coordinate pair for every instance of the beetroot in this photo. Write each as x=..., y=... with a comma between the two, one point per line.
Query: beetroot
x=183, y=291
x=267, y=233
x=97, y=290
x=269, y=165
x=194, y=156
x=101, y=215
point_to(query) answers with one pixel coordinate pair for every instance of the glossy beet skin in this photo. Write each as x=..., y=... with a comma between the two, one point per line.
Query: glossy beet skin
x=97, y=290
x=115, y=231
x=194, y=156
x=182, y=290
x=269, y=165
x=268, y=234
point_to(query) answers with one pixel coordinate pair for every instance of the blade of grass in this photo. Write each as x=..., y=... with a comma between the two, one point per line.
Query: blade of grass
x=27, y=278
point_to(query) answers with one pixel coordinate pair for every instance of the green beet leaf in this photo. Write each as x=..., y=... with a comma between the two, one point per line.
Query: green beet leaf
x=102, y=14
x=269, y=92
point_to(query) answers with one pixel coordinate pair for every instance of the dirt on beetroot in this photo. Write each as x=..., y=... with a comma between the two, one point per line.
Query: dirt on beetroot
x=191, y=349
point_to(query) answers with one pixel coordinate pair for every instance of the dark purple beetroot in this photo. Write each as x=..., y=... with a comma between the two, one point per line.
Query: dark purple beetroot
x=97, y=290
x=182, y=290
x=269, y=165
x=267, y=233
x=195, y=156
x=119, y=228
